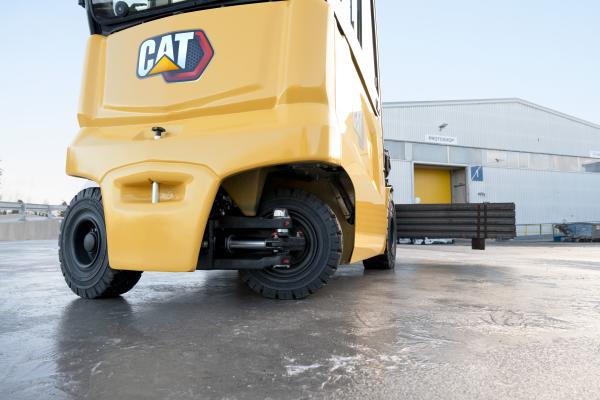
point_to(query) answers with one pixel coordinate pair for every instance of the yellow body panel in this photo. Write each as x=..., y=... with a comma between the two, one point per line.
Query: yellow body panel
x=433, y=185
x=168, y=231
x=282, y=88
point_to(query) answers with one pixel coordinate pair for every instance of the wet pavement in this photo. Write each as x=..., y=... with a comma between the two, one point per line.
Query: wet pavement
x=519, y=321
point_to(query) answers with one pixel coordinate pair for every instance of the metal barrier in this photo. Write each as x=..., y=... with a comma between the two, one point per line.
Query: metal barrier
x=25, y=208
x=475, y=221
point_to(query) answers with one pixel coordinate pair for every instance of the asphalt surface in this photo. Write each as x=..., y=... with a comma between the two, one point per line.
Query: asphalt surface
x=518, y=321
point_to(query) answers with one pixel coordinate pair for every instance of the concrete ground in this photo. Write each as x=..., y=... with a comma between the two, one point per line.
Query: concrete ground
x=519, y=321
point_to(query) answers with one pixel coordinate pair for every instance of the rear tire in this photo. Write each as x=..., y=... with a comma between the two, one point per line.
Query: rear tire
x=312, y=268
x=83, y=250
x=387, y=260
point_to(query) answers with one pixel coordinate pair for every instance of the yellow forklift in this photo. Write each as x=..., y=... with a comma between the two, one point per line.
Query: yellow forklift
x=230, y=135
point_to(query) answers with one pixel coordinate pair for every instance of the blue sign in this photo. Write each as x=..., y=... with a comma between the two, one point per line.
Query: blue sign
x=477, y=173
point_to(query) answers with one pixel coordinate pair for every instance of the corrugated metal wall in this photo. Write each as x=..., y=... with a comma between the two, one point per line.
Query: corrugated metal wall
x=503, y=125
x=401, y=178
x=542, y=195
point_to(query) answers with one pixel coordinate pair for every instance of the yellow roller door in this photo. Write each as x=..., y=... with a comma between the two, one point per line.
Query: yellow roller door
x=432, y=185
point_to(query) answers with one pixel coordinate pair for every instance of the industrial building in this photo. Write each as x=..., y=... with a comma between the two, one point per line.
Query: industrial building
x=496, y=150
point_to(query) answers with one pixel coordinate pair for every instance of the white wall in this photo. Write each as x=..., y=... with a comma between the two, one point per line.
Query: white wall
x=401, y=178
x=541, y=196
x=542, y=193
x=500, y=124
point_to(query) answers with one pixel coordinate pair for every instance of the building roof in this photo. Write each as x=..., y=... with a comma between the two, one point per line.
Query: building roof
x=514, y=100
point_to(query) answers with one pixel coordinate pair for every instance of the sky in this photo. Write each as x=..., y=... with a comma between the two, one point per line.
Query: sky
x=544, y=51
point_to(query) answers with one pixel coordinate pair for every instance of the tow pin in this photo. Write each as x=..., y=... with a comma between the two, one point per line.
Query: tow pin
x=158, y=132
x=155, y=193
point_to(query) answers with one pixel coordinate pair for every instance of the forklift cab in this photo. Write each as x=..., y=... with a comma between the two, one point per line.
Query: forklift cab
x=228, y=134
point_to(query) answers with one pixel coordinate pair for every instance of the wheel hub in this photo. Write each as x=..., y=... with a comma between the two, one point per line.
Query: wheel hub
x=89, y=242
x=86, y=242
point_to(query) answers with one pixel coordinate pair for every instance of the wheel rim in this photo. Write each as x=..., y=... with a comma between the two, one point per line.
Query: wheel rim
x=85, y=242
x=86, y=246
x=300, y=261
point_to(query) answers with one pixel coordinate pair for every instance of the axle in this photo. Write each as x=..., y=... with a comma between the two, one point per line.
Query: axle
x=231, y=242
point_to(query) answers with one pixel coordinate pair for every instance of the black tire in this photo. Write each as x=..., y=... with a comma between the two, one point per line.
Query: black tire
x=83, y=253
x=387, y=260
x=312, y=268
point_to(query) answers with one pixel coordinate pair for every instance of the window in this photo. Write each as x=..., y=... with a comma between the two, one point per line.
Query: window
x=465, y=156
x=566, y=164
x=495, y=158
x=430, y=153
x=123, y=8
x=512, y=160
x=590, y=165
x=368, y=35
x=540, y=162
x=114, y=12
x=353, y=14
x=356, y=18
x=524, y=160
x=455, y=155
x=396, y=149
x=359, y=15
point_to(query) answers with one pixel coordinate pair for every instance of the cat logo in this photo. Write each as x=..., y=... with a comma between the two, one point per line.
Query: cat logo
x=177, y=56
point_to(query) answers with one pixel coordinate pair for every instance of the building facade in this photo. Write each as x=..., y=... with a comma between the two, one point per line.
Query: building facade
x=499, y=150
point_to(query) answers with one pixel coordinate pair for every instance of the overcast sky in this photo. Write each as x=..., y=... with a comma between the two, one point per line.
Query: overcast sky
x=545, y=51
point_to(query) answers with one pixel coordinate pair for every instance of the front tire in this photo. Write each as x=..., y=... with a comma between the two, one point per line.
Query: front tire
x=311, y=268
x=83, y=252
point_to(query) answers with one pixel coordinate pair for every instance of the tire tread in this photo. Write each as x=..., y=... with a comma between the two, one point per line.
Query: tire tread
x=113, y=282
x=329, y=219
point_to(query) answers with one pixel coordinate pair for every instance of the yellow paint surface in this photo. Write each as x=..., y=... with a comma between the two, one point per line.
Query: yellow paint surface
x=433, y=185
